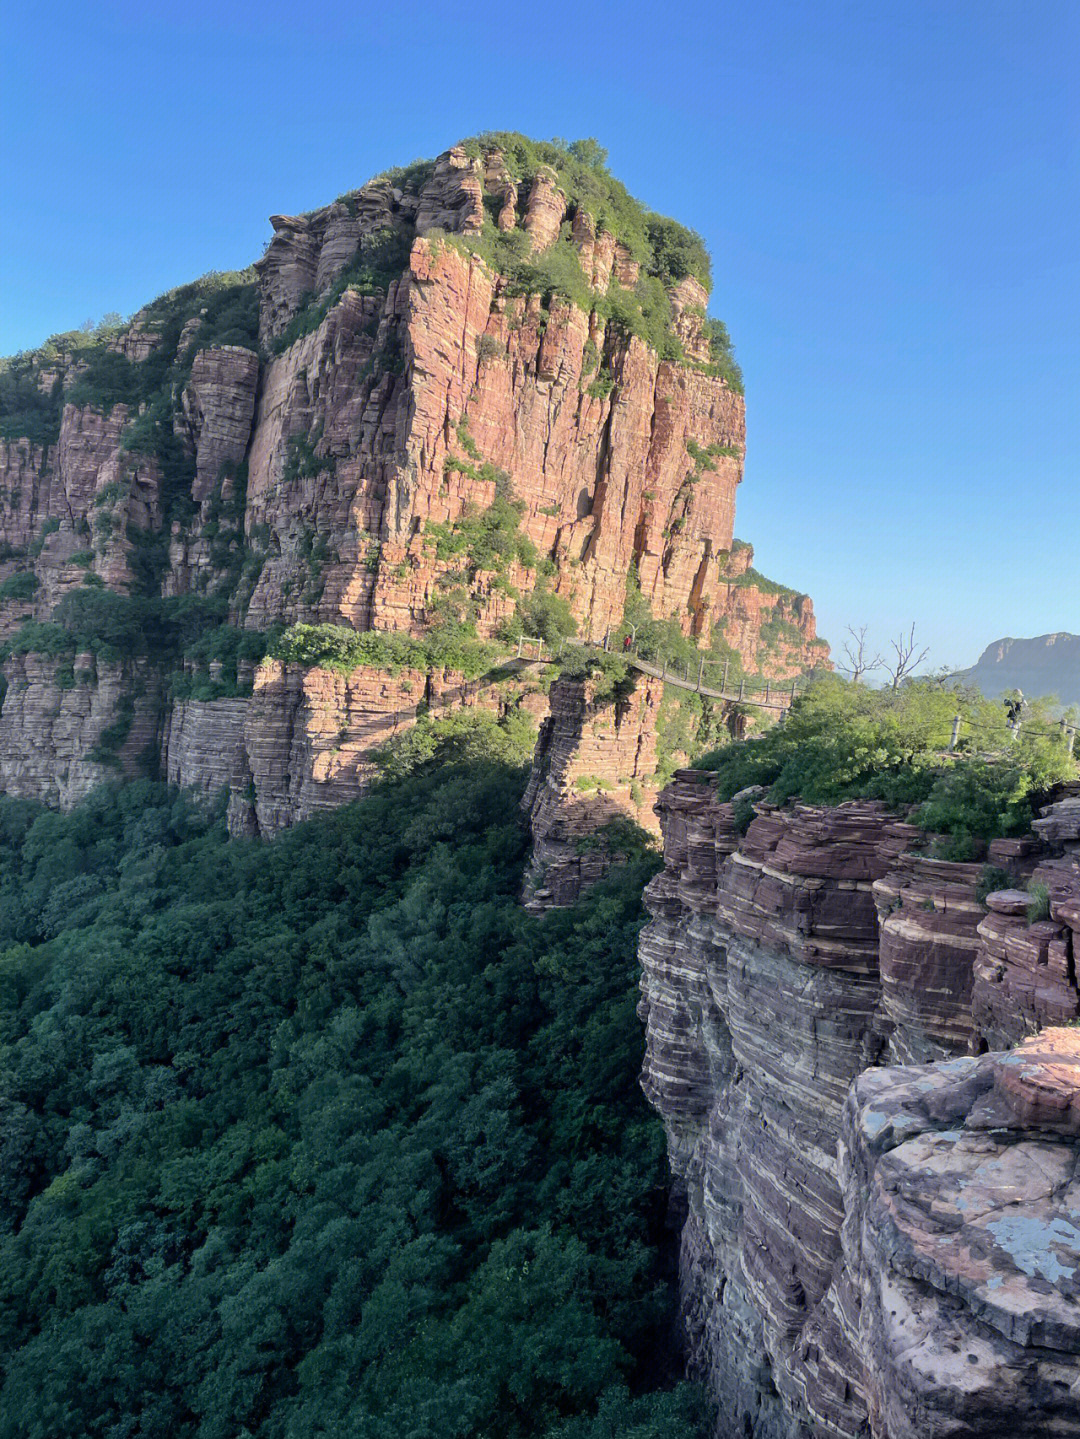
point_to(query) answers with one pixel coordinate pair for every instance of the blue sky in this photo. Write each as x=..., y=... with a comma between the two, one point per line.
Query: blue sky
x=889, y=191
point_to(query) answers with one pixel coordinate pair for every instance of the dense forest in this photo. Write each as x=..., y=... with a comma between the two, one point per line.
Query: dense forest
x=325, y=1136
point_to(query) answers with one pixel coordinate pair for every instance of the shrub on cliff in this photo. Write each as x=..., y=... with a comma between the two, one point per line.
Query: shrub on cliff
x=845, y=741
x=323, y=1135
x=336, y=647
x=545, y=615
x=19, y=586
x=465, y=738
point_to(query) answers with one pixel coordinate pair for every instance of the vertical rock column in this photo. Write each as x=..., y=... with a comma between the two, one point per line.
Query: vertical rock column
x=761, y=1001
x=593, y=770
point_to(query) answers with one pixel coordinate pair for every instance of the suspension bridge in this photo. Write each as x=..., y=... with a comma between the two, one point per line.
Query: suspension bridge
x=764, y=694
x=711, y=678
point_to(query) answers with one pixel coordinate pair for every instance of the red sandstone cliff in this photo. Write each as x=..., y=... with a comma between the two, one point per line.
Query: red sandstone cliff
x=397, y=381
x=875, y=1245
x=772, y=629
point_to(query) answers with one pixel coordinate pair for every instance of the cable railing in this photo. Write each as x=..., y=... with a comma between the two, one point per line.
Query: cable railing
x=709, y=677
x=713, y=678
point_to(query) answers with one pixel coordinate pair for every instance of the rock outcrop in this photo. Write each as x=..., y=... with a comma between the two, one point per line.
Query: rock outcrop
x=962, y=1243
x=772, y=629
x=1043, y=665
x=1025, y=972
x=390, y=424
x=594, y=766
x=836, y=1251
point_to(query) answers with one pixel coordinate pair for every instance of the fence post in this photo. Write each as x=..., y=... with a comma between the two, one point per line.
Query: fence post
x=794, y=682
x=742, y=686
x=521, y=641
x=723, y=682
x=663, y=674
x=700, y=671
x=539, y=649
x=767, y=683
x=955, y=733
x=1071, y=736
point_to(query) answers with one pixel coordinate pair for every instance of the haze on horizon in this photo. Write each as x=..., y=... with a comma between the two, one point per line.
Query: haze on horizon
x=890, y=199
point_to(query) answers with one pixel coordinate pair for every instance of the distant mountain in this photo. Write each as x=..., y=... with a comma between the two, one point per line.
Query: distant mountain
x=1045, y=665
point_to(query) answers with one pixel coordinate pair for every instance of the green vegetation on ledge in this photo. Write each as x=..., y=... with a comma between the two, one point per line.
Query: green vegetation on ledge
x=116, y=627
x=662, y=247
x=845, y=741
x=666, y=251
x=33, y=392
x=336, y=647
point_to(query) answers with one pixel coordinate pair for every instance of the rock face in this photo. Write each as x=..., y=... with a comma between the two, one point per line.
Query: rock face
x=928, y=921
x=773, y=630
x=68, y=729
x=1044, y=665
x=769, y=990
x=962, y=1242
x=594, y=766
x=304, y=741
x=398, y=387
x=1025, y=974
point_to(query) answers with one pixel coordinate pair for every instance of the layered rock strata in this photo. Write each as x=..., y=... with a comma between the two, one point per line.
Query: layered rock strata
x=307, y=738
x=928, y=920
x=69, y=728
x=1025, y=972
x=768, y=990
x=594, y=766
x=399, y=400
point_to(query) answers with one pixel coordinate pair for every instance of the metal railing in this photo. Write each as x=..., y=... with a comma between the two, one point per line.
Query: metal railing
x=710, y=677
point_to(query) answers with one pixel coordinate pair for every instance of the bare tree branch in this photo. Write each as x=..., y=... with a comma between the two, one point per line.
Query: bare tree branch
x=859, y=662
x=906, y=659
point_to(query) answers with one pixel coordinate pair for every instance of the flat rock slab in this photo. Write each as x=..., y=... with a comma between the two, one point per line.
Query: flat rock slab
x=1040, y=1081
x=1008, y=901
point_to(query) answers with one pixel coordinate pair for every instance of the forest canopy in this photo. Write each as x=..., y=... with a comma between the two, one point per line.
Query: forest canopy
x=324, y=1135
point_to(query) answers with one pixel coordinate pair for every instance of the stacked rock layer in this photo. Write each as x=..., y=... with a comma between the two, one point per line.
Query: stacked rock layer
x=868, y=1250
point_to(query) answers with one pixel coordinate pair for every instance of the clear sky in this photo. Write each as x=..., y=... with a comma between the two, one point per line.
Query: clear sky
x=889, y=191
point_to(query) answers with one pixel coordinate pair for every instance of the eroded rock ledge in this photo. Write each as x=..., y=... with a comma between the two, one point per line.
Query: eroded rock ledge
x=870, y=1249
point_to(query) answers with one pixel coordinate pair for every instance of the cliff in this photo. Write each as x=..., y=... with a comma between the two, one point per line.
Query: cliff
x=470, y=398
x=770, y=628
x=880, y=1231
x=1045, y=665
x=593, y=771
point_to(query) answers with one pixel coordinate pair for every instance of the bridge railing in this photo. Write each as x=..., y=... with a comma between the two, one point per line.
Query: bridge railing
x=701, y=673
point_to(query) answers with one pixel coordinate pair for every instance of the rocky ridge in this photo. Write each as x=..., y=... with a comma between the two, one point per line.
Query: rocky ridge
x=1042, y=665
x=860, y=1256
